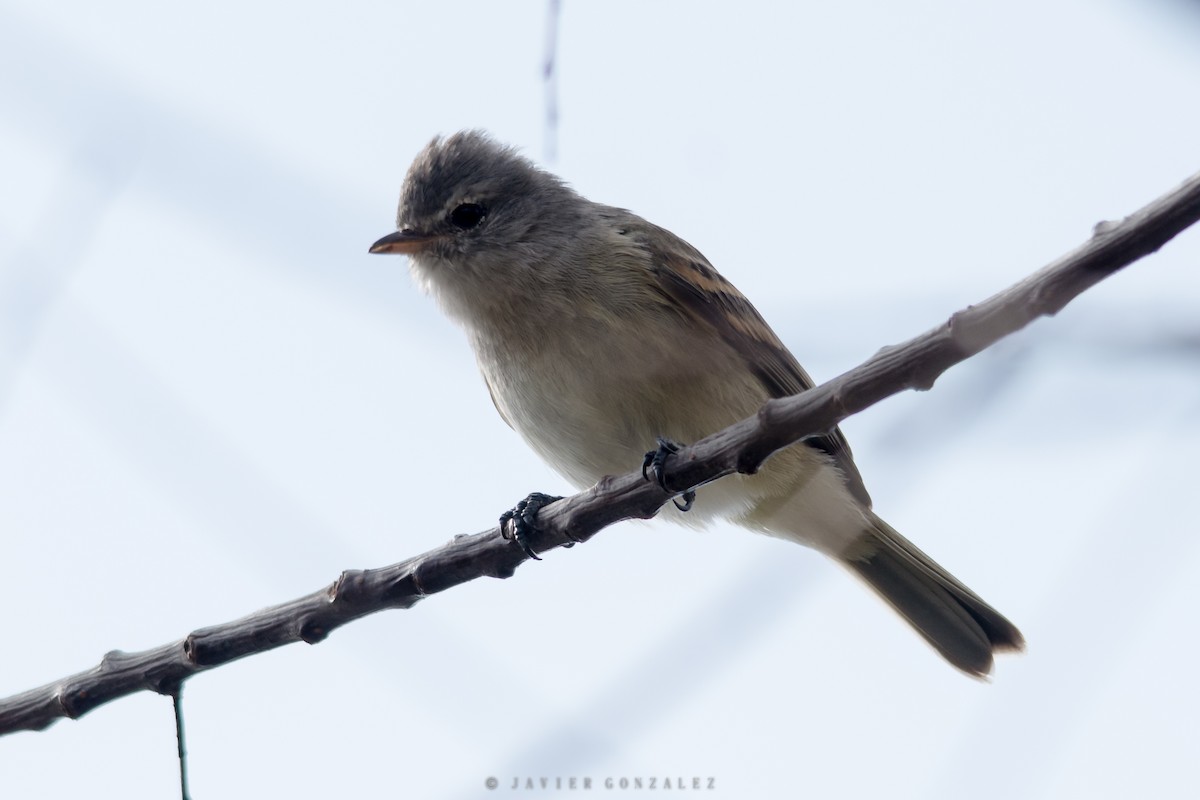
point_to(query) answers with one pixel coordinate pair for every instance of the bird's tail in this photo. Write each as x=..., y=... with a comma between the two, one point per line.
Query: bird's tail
x=952, y=618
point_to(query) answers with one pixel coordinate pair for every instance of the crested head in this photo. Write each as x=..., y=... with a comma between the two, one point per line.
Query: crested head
x=475, y=195
x=481, y=222
x=464, y=166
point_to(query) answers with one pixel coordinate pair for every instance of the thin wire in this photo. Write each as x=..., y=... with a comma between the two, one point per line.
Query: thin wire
x=550, y=80
x=177, y=702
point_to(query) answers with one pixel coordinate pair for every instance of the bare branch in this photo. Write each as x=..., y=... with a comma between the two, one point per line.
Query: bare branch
x=743, y=447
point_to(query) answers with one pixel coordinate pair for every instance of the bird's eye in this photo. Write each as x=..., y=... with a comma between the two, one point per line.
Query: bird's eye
x=467, y=215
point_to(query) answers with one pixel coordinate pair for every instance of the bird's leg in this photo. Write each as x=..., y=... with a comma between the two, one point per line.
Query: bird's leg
x=523, y=517
x=656, y=460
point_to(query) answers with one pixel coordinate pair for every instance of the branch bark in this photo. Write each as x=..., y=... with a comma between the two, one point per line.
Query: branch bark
x=742, y=447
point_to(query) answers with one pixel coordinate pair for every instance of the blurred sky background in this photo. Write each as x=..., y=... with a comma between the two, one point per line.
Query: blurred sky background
x=213, y=399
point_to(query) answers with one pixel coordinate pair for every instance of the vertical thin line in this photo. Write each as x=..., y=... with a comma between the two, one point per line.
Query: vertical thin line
x=177, y=701
x=550, y=81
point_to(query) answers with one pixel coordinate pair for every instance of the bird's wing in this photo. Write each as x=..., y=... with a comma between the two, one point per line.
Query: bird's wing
x=690, y=283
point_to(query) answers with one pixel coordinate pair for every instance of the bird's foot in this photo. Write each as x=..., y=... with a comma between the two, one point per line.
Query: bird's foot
x=523, y=517
x=656, y=460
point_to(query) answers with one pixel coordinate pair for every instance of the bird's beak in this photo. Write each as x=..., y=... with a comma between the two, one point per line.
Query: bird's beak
x=403, y=241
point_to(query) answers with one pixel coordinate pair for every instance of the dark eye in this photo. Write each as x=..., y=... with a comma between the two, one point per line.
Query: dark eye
x=467, y=216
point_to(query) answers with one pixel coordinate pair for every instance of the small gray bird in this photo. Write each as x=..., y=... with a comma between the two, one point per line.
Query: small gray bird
x=597, y=332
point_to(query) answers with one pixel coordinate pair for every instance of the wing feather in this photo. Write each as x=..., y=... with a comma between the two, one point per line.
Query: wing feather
x=688, y=280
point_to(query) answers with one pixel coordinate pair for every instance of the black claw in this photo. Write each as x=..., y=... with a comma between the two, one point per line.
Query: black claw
x=647, y=462
x=689, y=497
x=524, y=520
x=656, y=460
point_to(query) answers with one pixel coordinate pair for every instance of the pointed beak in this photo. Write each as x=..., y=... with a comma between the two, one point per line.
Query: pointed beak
x=403, y=241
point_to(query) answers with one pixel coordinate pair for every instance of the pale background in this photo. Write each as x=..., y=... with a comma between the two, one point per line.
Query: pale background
x=212, y=399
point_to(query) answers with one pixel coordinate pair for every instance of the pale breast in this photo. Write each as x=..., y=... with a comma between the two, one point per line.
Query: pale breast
x=592, y=401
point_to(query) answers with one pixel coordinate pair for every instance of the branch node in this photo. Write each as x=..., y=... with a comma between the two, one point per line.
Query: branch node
x=313, y=632
x=348, y=588
x=74, y=702
x=200, y=650
x=405, y=592
x=189, y=649
x=415, y=577
x=503, y=573
x=768, y=421
x=921, y=381
x=113, y=660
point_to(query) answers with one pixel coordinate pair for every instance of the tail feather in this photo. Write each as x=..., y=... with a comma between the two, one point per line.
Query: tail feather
x=952, y=618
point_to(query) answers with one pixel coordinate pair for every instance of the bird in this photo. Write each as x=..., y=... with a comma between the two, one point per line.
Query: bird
x=599, y=333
